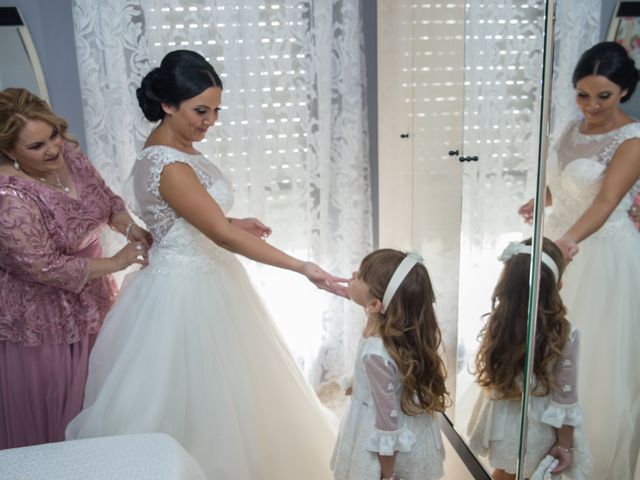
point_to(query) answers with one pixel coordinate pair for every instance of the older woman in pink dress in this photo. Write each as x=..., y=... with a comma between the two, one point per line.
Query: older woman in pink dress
x=55, y=283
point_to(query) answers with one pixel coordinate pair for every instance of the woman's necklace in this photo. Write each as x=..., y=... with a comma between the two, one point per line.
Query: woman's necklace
x=58, y=183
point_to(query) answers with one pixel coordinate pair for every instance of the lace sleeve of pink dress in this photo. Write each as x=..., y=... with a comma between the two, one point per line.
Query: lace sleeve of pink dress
x=27, y=250
x=47, y=239
x=86, y=169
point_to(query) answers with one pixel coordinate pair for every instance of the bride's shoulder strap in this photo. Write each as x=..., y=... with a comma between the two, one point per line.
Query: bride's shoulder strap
x=152, y=160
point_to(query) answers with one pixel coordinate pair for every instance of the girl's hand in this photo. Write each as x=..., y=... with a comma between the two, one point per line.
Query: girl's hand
x=251, y=225
x=135, y=233
x=563, y=455
x=324, y=280
x=568, y=246
x=526, y=212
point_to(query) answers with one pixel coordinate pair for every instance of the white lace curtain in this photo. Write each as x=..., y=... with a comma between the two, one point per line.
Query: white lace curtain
x=577, y=28
x=292, y=136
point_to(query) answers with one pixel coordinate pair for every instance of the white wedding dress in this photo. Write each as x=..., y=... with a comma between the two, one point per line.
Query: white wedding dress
x=601, y=289
x=190, y=350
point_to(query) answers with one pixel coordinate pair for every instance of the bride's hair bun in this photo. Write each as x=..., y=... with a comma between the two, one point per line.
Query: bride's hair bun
x=149, y=102
x=182, y=74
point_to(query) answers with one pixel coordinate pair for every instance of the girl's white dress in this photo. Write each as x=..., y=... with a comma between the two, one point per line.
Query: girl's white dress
x=601, y=289
x=494, y=425
x=375, y=423
x=190, y=350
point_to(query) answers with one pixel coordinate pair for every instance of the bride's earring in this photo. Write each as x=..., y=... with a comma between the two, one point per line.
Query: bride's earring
x=15, y=164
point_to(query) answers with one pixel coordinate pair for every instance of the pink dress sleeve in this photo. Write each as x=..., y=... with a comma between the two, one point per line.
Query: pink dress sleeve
x=116, y=203
x=27, y=251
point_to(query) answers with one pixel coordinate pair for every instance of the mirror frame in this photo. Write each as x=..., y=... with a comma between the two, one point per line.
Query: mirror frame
x=10, y=17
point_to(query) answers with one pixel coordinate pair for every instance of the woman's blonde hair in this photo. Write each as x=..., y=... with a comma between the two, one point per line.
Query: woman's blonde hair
x=17, y=107
x=409, y=330
x=501, y=358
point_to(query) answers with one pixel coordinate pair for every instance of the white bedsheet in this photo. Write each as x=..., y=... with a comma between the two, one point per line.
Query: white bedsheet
x=149, y=456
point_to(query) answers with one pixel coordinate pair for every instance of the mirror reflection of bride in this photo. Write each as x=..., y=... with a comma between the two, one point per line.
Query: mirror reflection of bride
x=592, y=189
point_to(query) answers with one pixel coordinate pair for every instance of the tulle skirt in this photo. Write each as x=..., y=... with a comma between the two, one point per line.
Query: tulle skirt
x=601, y=289
x=195, y=355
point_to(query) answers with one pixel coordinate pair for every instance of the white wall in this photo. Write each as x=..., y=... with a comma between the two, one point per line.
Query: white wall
x=50, y=24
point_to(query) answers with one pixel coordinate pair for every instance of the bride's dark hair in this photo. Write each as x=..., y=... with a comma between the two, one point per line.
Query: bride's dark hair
x=182, y=74
x=610, y=60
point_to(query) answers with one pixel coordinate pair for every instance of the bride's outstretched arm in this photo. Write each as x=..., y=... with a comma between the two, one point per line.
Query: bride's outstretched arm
x=182, y=190
x=621, y=173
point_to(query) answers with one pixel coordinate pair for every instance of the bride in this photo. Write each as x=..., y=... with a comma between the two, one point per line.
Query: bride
x=189, y=349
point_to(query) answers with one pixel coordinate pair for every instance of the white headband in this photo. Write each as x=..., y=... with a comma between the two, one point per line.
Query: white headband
x=403, y=269
x=514, y=248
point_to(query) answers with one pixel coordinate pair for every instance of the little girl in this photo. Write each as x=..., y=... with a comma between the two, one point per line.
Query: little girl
x=390, y=430
x=554, y=415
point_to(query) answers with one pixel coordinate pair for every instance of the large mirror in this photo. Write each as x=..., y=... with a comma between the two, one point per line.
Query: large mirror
x=19, y=63
x=460, y=104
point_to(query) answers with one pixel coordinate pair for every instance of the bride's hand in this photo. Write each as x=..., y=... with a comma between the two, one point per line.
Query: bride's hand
x=568, y=246
x=526, y=212
x=324, y=280
x=251, y=225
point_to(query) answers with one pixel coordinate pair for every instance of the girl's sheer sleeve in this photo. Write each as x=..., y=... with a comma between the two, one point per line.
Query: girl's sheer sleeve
x=390, y=433
x=27, y=251
x=563, y=408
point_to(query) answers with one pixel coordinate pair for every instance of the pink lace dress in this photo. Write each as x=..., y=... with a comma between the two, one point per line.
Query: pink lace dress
x=49, y=309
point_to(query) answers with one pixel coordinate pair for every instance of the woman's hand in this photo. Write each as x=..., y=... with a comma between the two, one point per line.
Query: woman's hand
x=634, y=211
x=563, y=455
x=136, y=233
x=251, y=225
x=324, y=280
x=133, y=252
x=568, y=246
x=526, y=212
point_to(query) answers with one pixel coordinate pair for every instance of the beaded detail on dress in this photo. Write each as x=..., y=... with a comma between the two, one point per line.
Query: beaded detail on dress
x=179, y=248
x=150, y=206
x=575, y=179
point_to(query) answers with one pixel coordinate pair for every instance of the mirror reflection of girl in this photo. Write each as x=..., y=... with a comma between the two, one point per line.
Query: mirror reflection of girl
x=390, y=430
x=554, y=414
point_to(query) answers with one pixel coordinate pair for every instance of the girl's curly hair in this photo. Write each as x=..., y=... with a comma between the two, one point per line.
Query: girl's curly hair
x=500, y=360
x=410, y=331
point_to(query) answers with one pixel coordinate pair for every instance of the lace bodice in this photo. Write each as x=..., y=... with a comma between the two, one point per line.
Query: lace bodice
x=145, y=177
x=178, y=247
x=578, y=163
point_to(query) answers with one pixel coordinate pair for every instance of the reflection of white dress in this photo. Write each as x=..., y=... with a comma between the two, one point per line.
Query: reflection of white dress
x=190, y=350
x=494, y=425
x=601, y=289
x=375, y=424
